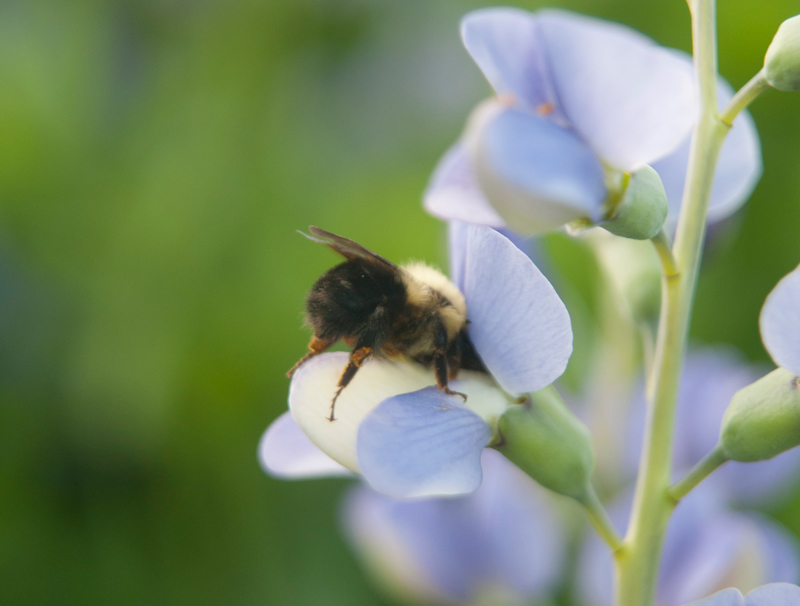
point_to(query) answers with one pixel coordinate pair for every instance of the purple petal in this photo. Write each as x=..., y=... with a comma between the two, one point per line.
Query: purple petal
x=501, y=538
x=780, y=323
x=504, y=42
x=285, y=452
x=738, y=170
x=536, y=174
x=725, y=546
x=726, y=597
x=422, y=444
x=633, y=101
x=526, y=546
x=518, y=324
x=774, y=594
x=453, y=192
x=374, y=526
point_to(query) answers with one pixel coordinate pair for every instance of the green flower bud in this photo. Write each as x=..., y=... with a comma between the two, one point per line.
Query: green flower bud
x=642, y=210
x=763, y=419
x=544, y=439
x=782, y=61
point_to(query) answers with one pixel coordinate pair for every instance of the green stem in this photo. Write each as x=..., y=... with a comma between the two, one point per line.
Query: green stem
x=699, y=472
x=668, y=263
x=746, y=95
x=637, y=563
x=600, y=520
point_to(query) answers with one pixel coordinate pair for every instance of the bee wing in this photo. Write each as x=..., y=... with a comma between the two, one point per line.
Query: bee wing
x=344, y=246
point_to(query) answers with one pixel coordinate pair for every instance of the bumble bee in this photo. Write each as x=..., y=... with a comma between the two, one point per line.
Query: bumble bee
x=382, y=309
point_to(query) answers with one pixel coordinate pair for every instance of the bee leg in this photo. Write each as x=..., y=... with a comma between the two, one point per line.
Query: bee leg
x=357, y=358
x=440, y=360
x=317, y=346
x=454, y=358
x=440, y=366
x=370, y=339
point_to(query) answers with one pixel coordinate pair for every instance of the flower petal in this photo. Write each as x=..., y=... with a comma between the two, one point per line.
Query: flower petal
x=375, y=525
x=518, y=324
x=536, y=174
x=314, y=384
x=525, y=541
x=502, y=538
x=780, y=323
x=774, y=594
x=425, y=443
x=504, y=42
x=633, y=101
x=285, y=452
x=453, y=192
x=728, y=550
x=738, y=169
x=726, y=597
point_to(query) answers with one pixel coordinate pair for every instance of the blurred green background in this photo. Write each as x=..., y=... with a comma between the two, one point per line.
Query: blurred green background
x=156, y=158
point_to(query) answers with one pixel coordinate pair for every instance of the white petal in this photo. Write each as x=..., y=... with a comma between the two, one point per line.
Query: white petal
x=314, y=384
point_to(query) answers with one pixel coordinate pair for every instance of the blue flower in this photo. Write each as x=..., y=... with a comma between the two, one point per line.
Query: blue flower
x=502, y=544
x=581, y=102
x=394, y=427
x=774, y=594
x=711, y=377
x=708, y=546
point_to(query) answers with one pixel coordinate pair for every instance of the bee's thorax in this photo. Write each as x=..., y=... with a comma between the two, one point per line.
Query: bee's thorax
x=428, y=288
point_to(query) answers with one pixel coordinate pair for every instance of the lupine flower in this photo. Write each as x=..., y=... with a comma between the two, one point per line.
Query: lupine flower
x=407, y=438
x=774, y=594
x=502, y=544
x=780, y=323
x=581, y=102
x=708, y=546
x=710, y=379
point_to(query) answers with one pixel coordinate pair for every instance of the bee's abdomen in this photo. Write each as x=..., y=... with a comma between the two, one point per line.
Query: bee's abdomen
x=344, y=299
